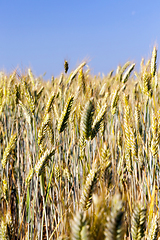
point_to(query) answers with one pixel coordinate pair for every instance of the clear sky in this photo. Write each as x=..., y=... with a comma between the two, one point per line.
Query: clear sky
x=40, y=34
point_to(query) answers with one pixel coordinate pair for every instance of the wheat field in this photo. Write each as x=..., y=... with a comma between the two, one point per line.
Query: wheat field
x=80, y=154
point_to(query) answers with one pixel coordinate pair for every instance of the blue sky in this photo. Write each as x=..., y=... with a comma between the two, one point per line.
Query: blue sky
x=40, y=34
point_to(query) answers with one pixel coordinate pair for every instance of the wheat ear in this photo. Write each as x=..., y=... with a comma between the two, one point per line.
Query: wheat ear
x=9, y=149
x=154, y=229
x=153, y=61
x=81, y=80
x=155, y=139
x=86, y=198
x=114, y=101
x=105, y=162
x=137, y=116
x=79, y=227
x=26, y=111
x=31, y=76
x=43, y=161
x=29, y=97
x=87, y=119
x=3, y=230
x=49, y=103
x=138, y=222
x=114, y=225
x=63, y=121
x=75, y=73
x=7, y=228
x=146, y=78
x=66, y=66
x=127, y=73
x=5, y=189
x=43, y=128
x=122, y=70
x=98, y=121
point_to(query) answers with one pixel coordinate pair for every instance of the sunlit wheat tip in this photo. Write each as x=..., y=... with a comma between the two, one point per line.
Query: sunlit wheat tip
x=122, y=70
x=75, y=73
x=153, y=61
x=127, y=73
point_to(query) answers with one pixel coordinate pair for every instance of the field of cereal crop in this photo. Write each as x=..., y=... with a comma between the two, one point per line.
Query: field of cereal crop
x=80, y=154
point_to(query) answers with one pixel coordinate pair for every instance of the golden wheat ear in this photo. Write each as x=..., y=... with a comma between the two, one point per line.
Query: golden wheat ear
x=63, y=121
x=81, y=81
x=127, y=73
x=154, y=229
x=5, y=189
x=97, y=218
x=31, y=76
x=114, y=226
x=75, y=73
x=122, y=70
x=43, y=128
x=49, y=103
x=98, y=121
x=43, y=161
x=105, y=164
x=7, y=229
x=3, y=230
x=82, y=144
x=138, y=222
x=26, y=111
x=114, y=101
x=29, y=97
x=86, y=198
x=155, y=138
x=153, y=61
x=146, y=80
x=133, y=143
x=79, y=227
x=9, y=149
